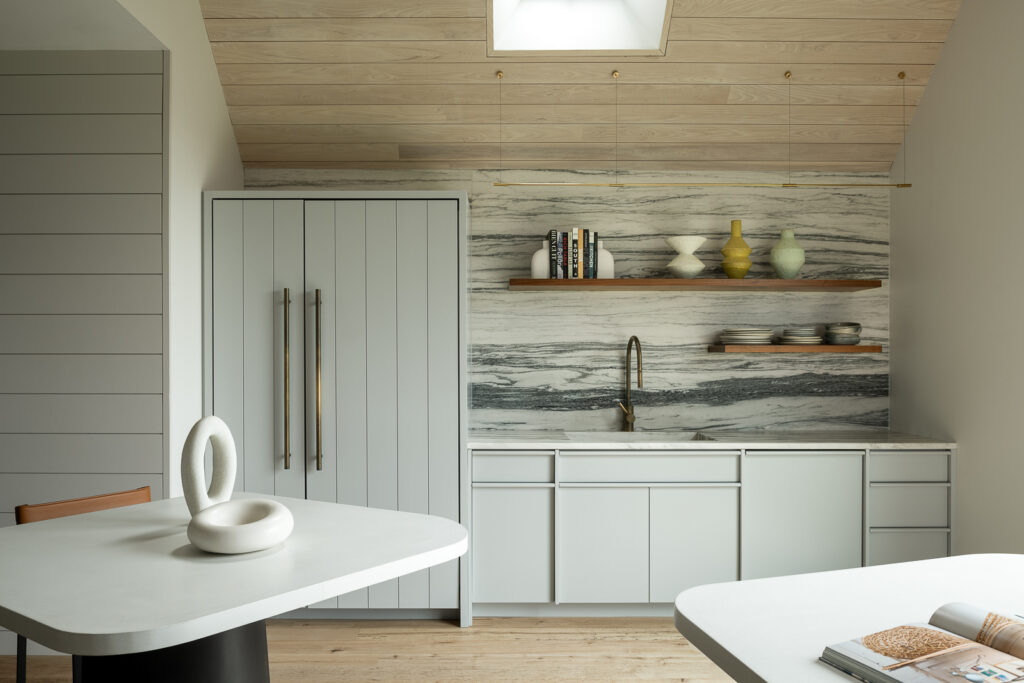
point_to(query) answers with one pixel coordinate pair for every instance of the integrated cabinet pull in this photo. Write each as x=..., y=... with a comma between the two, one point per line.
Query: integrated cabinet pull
x=319, y=387
x=287, y=387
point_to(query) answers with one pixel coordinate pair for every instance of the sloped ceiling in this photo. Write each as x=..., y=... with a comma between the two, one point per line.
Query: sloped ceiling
x=409, y=84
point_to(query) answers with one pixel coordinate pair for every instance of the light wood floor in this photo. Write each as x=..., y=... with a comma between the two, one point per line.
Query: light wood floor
x=492, y=650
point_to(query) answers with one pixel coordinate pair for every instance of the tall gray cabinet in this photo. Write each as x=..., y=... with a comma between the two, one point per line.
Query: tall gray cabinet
x=335, y=352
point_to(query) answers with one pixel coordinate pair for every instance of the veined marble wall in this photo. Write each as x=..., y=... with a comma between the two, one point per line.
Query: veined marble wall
x=557, y=359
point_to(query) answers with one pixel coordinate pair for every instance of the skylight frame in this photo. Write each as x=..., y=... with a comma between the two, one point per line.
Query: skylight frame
x=660, y=51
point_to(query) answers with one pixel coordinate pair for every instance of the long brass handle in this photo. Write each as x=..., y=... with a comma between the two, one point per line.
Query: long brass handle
x=287, y=386
x=319, y=387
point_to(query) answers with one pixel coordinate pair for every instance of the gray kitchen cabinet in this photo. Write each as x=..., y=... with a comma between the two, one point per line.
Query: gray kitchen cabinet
x=801, y=512
x=513, y=543
x=334, y=353
x=694, y=536
x=603, y=552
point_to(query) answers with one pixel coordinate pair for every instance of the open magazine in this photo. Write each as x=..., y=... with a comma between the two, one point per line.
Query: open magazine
x=959, y=643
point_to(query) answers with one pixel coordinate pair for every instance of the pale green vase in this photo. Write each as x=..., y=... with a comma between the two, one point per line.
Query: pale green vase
x=787, y=256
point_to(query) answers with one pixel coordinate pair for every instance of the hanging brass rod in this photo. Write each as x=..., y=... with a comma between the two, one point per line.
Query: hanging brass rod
x=898, y=185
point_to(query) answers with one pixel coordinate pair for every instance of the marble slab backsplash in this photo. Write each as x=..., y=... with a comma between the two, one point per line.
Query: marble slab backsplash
x=556, y=360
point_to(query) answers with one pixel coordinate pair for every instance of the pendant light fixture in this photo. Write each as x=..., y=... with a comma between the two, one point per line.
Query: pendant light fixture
x=788, y=75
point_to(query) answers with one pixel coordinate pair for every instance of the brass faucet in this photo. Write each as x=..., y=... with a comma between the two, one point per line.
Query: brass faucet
x=630, y=418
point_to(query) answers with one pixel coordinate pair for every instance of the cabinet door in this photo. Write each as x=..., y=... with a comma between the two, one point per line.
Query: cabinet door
x=603, y=553
x=801, y=512
x=694, y=538
x=513, y=544
x=257, y=253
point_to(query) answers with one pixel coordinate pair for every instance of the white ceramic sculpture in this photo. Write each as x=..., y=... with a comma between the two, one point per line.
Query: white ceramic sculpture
x=686, y=264
x=219, y=524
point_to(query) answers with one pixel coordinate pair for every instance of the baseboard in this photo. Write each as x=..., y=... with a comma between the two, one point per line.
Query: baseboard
x=371, y=614
x=495, y=609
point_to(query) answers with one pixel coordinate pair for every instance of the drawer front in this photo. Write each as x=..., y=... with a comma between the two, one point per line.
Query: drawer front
x=648, y=466
x=885, y=547
x=514, y=466
x=908, y=506
x=908, y=466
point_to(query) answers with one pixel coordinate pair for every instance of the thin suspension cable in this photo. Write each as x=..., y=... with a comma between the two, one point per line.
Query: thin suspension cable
x=789, y=128
x=903, y=111
x=615, y=75
x=501, y=76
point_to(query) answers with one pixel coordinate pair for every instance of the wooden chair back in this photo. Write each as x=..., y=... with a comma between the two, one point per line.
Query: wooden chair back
x=76, y=506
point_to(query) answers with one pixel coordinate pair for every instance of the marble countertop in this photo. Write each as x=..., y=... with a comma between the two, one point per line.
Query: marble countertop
x=720, y=440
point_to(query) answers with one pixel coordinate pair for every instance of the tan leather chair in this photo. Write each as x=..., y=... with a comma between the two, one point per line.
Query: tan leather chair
x=64, y=508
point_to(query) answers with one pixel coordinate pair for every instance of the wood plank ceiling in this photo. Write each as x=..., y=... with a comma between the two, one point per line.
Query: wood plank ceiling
x=410, y=84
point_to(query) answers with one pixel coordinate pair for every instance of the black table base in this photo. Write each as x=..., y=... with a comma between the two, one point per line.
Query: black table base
x=235, y=656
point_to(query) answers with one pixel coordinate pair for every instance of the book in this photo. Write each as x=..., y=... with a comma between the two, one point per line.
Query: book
x=565, y=255
x=553, y=252
x=959, y=643
x=585, y=252
x=592, y=254
x=575, y=246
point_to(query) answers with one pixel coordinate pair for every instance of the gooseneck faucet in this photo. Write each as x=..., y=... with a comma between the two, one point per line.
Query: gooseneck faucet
x=630, y=418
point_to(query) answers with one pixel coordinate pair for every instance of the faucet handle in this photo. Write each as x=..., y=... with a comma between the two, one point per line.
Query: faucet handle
x=625, y=409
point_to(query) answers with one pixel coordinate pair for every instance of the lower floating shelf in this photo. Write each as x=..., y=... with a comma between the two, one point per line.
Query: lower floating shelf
x=793, y=348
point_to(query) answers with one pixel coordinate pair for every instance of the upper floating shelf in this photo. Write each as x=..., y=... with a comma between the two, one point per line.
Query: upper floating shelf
x=658, y=284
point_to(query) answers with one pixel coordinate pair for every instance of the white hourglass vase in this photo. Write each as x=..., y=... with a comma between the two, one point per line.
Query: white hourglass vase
x=686, y=265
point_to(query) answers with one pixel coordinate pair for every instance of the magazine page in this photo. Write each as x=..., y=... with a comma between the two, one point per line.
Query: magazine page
x=919, y=653
x=988, y=628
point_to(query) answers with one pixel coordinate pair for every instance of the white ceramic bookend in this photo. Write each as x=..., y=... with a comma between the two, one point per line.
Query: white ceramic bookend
x=219, y=524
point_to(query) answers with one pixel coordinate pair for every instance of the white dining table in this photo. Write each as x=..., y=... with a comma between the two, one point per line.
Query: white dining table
x=775, y=629
x=126, y=589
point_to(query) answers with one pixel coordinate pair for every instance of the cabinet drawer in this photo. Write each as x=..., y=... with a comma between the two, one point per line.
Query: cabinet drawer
x=886, y=546
x=908, y=505
x=514, y=466
x=908, y=466
x=648, y=466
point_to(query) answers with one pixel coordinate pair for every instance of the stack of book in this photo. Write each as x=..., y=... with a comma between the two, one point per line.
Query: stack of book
x=573, y=254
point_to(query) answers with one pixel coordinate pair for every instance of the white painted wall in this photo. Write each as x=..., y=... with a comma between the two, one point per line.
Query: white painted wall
x=957, y=281
x=203, y=156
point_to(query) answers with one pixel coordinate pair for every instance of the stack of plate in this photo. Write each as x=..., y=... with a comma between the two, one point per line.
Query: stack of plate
x=800, y=335
x=746, y=335
x=842, y=333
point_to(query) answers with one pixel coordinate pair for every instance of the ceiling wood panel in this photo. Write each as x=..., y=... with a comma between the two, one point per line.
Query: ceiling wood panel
x=408, y=84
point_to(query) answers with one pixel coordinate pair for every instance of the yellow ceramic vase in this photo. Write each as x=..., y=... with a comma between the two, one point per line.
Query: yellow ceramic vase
x=737, y=254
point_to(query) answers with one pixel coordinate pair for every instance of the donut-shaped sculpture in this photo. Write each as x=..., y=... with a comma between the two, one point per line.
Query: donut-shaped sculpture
x=193, y=469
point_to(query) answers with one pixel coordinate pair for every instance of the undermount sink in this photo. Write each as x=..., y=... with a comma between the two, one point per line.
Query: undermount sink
x=633, y=437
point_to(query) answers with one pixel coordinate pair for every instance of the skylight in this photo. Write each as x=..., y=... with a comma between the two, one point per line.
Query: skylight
x=599, y=25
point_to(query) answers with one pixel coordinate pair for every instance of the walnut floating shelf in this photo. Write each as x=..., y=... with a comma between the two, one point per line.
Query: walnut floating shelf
x=793, y=348
x=660, y=284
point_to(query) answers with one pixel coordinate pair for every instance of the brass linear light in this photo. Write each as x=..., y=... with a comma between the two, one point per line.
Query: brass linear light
x=789, y=74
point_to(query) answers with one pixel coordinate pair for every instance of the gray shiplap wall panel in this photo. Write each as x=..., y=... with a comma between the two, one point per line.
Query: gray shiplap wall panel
x=81, y=374
x=82, y=173
x=101, y=94
x=81, y=213
x=19, y=489
x=81, y=333
x=382, y=371
x=81, y=414
x=70, y=453
x=6, y=519
x=442, y=255
x=260, y=305
x=81, y=62
x=81, y=134
x=413, y=381
x=229, y=349
x=108, y=254
x=78, y=294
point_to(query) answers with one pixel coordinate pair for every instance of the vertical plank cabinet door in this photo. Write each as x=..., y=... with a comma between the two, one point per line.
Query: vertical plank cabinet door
x=257, y=252
x=603, y=553
x=694, y=538
x=801, y=512
x=513, y=544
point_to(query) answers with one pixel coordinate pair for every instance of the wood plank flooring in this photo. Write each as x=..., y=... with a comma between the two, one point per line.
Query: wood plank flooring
x=492, y=650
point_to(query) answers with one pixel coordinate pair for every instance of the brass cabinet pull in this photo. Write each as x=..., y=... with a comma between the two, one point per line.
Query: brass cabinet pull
x=287, y=387
x=319, y=389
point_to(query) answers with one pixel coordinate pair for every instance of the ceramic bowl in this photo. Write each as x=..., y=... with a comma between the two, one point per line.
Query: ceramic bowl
x=853, y=328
